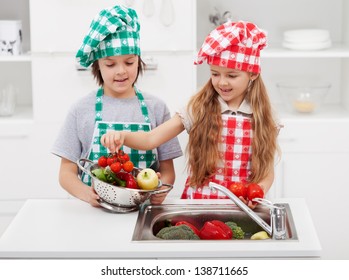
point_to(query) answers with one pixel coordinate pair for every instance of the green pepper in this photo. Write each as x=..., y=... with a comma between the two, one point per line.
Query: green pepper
x=113, y=179
x=99, y=173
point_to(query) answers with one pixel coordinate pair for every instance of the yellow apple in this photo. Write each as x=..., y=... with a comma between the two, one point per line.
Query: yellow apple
x=147, y=179
x=260, y=235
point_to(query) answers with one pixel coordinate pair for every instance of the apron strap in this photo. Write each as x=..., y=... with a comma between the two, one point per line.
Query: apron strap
x=99, y=105
x=144, y=108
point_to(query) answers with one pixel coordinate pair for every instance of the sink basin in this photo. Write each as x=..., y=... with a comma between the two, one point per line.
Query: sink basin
x=152, y=218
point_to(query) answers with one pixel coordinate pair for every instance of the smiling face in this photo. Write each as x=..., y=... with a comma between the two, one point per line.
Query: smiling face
x=119, y=74
x=231, y=84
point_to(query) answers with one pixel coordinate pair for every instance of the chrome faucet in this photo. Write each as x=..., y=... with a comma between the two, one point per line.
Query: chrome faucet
x=277, y=227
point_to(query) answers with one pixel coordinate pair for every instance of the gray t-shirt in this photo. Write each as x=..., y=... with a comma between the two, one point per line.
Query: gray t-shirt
x=75, y=137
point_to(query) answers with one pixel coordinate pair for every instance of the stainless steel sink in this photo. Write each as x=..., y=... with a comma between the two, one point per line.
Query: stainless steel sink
x=152, y=218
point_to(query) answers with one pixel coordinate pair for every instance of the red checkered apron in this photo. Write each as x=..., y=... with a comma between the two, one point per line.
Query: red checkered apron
x=235, y=148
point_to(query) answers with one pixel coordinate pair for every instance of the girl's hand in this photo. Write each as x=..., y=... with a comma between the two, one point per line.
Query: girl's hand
x=113, y=140
x=249, y=203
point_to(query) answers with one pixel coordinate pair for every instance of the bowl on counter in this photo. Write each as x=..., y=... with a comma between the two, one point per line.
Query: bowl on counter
x=303, y=97
x=118, y=199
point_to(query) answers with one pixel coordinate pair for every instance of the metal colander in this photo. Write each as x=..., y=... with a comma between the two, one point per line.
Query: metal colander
x=117, y=198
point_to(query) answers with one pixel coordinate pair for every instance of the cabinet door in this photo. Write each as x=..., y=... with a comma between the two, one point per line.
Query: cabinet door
x=59, y=25
x=28, y=169
x=57, y=85
x=67, y=22
x=322, y=179
x=314, y=166
x=173, y=80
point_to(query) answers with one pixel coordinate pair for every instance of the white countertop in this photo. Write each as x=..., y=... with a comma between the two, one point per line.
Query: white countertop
x=69, y=228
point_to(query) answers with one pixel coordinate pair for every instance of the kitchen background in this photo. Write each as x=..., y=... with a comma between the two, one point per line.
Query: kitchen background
x=46, y=81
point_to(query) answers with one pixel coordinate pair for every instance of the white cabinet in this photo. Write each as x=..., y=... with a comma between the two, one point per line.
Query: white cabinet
x=318, y=173
x=16, y=71
x=67, y=22
x=57, y=84
x=28, y=170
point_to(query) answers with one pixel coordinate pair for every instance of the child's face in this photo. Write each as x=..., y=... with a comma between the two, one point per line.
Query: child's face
x=230, y=84
x=119, y=74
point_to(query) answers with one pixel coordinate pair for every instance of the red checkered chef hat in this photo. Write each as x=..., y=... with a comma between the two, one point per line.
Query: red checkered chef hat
x=234, y=45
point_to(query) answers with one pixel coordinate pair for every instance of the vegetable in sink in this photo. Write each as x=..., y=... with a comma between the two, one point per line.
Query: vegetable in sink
x=211, y=230
x=238, y=233
x=192, y=227
x=180, y=232
x=215, y=230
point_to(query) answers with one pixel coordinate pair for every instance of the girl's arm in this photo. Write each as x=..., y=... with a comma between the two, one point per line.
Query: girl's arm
x=267, y=182
x=68, y=179
x=168, y=176
x=265, y=185
x=113, y=140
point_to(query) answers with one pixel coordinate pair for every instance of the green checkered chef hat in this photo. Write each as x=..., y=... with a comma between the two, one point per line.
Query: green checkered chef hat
x=114, y=31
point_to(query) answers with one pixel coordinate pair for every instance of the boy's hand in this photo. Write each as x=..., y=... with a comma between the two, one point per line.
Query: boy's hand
x=113, y=140
x=92, y=197
x=158, y=198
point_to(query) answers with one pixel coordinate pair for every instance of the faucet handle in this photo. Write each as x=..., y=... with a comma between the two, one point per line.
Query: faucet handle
x=262, y=201
x=266, y=203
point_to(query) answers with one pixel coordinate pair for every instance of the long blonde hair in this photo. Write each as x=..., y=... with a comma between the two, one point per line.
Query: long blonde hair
x=202, y=149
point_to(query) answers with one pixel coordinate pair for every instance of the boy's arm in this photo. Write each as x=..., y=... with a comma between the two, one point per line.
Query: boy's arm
x=68, y=179
x=168, y=176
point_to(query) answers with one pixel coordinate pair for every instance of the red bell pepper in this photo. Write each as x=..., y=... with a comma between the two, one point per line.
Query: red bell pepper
x=131, y=182
x=215, y=230
x=193, y=228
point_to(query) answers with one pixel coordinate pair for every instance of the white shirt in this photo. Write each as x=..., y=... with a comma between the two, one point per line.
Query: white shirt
x=244, y=110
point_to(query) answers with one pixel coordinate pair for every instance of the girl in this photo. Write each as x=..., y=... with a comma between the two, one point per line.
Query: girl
x=232, y=133
x=112, y=47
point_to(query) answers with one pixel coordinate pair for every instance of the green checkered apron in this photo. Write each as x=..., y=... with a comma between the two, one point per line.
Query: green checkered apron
x=140, y=158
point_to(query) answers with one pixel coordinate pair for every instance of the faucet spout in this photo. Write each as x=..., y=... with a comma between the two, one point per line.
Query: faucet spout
x=278, y=213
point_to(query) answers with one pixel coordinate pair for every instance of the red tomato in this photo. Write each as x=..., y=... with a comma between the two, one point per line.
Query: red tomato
x=127, y=166
x=102, y=161
x=253, y=191
x=123, y=157
x=111, y=159
x=115, y=167
x=239, y=189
